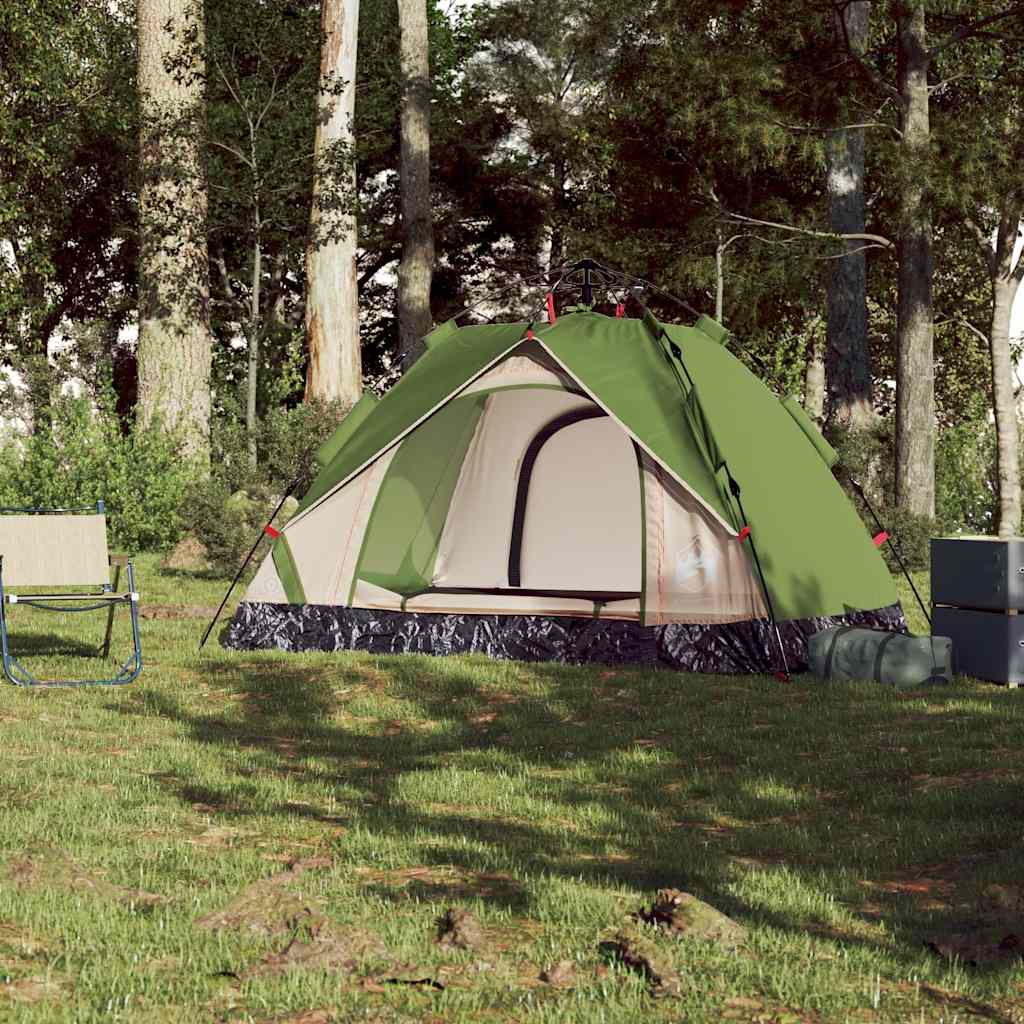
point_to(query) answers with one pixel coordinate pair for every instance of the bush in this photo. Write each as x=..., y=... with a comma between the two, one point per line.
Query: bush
x=286, y=441
x=84, y=456
x=911, y=534
x=966, y=489
x=230, y=508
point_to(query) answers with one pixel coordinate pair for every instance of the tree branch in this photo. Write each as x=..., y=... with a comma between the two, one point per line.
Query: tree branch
x=237, y=154
x=841, y=128
x=985, y=242
x=974, y=28
x=879, y=240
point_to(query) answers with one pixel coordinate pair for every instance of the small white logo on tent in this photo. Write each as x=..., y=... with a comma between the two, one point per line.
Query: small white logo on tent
x=695, y=568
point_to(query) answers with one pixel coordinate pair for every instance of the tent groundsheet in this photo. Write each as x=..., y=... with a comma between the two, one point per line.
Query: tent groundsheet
x=720, y=648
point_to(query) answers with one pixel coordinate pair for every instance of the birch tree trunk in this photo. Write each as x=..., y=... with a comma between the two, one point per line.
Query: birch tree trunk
x=175, y=342
x=814, y=374
x=416, y=270
x=848, y=359
x=334, y=371
x=915, y=368
x=255, y=327
x=1006, y=279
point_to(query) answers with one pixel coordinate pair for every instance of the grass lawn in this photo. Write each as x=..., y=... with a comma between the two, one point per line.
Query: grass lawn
x=269, y=837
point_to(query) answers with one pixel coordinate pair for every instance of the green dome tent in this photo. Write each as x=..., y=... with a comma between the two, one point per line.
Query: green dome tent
x=594, y=488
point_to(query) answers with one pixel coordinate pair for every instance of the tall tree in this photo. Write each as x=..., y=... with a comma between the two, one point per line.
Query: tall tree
x=915, y=370
x=416, y=269
x=67, y=181
x=261, y=103
x=334, y=370
x=175, y=343
x=848, y=364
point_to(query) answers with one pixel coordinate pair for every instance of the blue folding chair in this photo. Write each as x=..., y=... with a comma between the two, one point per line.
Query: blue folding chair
x=64, y=548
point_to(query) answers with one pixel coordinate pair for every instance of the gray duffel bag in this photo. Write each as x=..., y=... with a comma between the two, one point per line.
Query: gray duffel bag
x=895, y=659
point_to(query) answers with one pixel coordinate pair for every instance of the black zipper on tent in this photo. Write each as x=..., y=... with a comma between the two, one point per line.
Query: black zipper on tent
x=541, y=438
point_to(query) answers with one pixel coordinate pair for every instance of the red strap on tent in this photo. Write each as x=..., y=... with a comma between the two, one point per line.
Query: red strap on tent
x=782, y=677
x=620, y=311
x=743, y=534
x=880, y=539
x=271, y=532
x=529, y=334
x=552, y=319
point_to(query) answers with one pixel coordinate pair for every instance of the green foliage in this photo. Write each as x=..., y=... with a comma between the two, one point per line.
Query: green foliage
x=228, y=509
x=67, y=144
x=85, y=457
x=966, y=488
x=227, y=522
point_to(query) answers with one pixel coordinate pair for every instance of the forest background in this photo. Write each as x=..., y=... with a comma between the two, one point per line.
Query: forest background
x=839, y=182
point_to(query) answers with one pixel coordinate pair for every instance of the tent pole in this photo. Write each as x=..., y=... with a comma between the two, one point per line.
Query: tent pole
x=734, y=489
x=248, y=558
x=892, y=544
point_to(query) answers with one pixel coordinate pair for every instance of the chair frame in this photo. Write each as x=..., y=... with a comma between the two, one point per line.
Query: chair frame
x=91, y=599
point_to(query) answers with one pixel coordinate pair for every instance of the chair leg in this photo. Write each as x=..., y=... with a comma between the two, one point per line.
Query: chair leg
x=110, y=615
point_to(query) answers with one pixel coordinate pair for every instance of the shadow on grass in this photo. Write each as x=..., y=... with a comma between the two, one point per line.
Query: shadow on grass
x=688, y=781
x=36, y=645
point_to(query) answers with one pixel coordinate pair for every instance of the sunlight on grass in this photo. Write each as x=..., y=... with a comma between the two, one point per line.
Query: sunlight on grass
x=840, y=825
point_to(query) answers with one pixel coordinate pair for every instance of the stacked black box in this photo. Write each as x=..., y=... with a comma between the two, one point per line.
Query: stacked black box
x=977, y=591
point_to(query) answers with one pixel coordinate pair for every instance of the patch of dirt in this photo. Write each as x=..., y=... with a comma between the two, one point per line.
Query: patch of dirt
x=459, y=929
x=319, y=946
x=926, y=782
x=188, y=555
x=643, y=956
x=982, y=942
x=560, y=975
x=49, y=868
x=304, y=1017
x=220, y=836
x=36, y=989
x=175, y=611
x=267, y=907
x=18, y=942
x=445, y=882
x=682, y=915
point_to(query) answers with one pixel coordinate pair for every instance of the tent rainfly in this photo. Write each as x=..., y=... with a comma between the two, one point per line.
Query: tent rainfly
x=597, y=488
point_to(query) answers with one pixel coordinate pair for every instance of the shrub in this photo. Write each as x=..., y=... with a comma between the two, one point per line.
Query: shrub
x=230, y=508
x=966, y=491
x=83, y=456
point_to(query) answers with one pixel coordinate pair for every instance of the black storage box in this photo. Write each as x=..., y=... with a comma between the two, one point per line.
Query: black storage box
x=977, y=592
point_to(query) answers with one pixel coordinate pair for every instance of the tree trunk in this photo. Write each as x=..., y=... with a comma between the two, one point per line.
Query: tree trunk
x=848, y=357
x=251, y=379
x=814, y=375
x=175, y=342
x=719, y=275
x=417, y=267
x=1006, y=278
x=334, y=371
x=915, y=369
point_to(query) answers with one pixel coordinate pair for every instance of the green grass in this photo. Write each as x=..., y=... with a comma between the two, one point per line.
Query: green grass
x=842, y=825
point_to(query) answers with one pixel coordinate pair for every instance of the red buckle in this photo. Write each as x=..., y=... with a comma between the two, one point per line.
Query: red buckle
x=782, y=677
x=271, y=532
x=552, y=319
x=743, y=534
x=880, y=539
x=620, y=311
x=529, y=334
